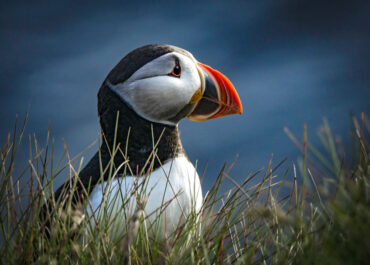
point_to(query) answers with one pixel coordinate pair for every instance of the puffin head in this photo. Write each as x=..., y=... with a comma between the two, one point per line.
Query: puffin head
x=163, y=84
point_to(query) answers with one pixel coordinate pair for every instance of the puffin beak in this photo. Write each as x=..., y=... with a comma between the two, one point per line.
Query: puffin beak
x=219, y=96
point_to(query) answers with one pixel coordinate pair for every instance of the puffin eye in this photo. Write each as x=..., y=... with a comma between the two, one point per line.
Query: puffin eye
x=176, y=71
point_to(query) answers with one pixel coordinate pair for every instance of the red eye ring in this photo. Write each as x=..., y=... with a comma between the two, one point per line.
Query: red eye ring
x=176, y=71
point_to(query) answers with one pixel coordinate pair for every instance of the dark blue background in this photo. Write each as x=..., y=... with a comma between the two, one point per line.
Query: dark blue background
x=291, y=62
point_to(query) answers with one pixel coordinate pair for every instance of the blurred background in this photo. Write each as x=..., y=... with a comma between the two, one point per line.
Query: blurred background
x=291, y=62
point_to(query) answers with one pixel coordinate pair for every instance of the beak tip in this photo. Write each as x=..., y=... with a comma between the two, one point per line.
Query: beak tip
x=237, y=102
x=240, y=112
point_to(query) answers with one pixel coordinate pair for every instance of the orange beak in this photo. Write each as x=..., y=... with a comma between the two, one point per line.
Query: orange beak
x=219, y=97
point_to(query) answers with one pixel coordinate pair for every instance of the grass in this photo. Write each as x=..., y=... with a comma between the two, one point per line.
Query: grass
x=323, y=219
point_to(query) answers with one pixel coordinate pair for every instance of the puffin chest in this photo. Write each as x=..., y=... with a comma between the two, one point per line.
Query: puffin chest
x=171, y=192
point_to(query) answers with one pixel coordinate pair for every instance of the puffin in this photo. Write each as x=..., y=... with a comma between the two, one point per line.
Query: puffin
x=141, y=161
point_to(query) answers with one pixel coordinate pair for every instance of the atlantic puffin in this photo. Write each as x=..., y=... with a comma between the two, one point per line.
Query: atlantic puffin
x=140, y=104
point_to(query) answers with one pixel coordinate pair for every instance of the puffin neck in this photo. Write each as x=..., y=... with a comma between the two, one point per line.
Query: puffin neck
x=135, y=136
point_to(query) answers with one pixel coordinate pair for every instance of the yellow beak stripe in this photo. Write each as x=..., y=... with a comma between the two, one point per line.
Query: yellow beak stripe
x=196, y=97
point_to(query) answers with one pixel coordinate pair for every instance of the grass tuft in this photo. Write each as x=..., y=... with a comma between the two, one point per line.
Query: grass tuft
x=316, y=212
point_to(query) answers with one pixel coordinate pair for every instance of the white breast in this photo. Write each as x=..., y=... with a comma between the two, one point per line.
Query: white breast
x=173, y=192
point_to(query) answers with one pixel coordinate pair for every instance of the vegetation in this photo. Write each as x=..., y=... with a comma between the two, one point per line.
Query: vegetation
x=324, y=218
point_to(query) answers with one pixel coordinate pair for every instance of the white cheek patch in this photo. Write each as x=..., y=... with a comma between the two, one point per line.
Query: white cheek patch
x=154, y=94
x=160, y=101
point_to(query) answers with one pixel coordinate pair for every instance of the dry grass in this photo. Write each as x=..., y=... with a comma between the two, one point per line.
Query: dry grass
x=323, y=219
